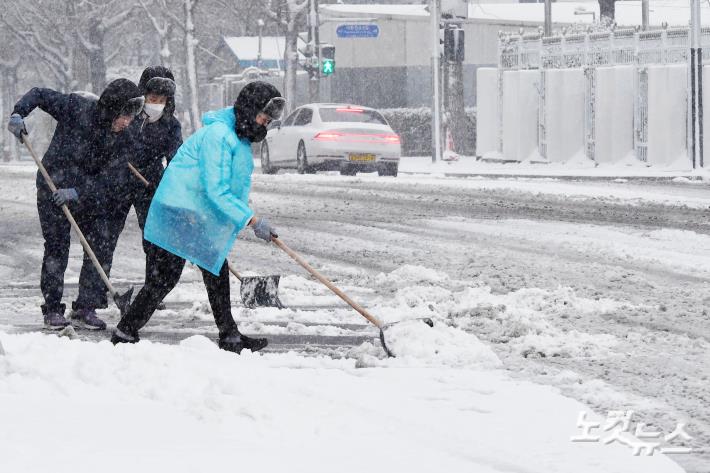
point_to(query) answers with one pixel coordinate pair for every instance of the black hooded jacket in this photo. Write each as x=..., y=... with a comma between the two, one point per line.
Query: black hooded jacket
x=83, y=143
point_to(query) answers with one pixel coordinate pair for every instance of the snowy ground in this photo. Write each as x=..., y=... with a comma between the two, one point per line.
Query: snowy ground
x=549, y=298
x=466, y=165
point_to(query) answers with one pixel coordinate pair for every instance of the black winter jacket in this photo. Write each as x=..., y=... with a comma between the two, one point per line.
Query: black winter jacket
x=82, y=145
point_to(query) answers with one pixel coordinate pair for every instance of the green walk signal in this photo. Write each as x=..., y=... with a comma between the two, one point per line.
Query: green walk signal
x=327, y=66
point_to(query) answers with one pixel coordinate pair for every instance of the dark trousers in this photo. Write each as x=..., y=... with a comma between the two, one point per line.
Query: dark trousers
x=56, y=231
x=163, y=270
x=106, y=229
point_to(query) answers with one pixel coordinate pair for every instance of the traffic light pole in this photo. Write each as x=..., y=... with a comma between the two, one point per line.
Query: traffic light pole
x=696, y=87
x=314, y=39
x=435, y=69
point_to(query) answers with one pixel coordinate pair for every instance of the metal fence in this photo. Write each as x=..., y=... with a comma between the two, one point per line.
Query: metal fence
x=588, y=51
x=618, y=47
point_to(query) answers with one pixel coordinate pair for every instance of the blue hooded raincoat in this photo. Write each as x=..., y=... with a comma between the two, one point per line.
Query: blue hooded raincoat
x=201, y=203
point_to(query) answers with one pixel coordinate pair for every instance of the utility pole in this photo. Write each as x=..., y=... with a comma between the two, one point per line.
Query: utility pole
x=548, y=17
x=435, y=69
x=644, y=15
x=696, y=86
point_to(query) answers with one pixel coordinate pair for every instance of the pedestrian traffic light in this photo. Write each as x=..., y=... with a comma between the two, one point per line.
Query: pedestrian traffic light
x=327, y=67
x=327, y=59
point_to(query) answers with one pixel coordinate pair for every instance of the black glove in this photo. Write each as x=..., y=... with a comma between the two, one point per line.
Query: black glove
x=264, y=230
x=16, y=125
x=64, y=196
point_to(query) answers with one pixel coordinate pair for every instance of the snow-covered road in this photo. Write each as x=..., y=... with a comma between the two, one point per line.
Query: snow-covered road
x=598, y=289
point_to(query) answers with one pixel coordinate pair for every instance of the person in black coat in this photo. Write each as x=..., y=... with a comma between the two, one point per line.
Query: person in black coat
x=151, y=139
x=83, y=145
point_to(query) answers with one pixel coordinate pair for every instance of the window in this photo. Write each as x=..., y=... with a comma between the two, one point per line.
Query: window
x=351, y=114
x=304, y=118
x=291, y=118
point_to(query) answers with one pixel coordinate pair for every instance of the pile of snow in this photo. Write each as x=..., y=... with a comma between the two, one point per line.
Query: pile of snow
x=73, y=406
x=416, y=343
x=523, y=319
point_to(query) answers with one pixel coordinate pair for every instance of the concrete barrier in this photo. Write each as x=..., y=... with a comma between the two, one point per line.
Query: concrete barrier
x=486, y=112
x=564, y=114
x=521, y=101
x=614, y=114
x=667, y=116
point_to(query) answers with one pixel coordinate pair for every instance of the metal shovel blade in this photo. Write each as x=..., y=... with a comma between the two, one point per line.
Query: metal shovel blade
x=384, y=345
x=123, y=300
x=387, y=350
x=260, y=291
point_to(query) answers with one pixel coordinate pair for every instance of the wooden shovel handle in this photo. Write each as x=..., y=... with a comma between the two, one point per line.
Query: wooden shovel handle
x=234, y=271
x=138, y=175
x=376, y=322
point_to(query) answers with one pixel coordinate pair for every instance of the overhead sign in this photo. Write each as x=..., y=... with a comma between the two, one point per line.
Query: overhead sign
x=358, y=31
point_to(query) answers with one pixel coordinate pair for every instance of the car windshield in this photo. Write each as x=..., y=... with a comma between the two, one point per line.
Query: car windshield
x=351, y=114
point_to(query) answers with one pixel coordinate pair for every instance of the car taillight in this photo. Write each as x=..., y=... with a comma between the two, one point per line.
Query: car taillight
x=328, y=136
x=377, y=138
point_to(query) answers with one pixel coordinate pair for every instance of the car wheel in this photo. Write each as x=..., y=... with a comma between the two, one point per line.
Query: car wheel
x=266, y=167
x=302, y=160
x=389, y=169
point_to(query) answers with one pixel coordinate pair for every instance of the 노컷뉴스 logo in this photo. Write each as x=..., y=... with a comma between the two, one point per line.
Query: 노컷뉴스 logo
x=642, y=440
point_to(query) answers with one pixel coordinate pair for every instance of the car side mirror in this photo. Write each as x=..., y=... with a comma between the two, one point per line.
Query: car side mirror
x=275, y=124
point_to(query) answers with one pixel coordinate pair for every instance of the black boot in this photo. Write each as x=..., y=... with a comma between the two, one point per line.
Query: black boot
x=119, y=336
x=236, y=342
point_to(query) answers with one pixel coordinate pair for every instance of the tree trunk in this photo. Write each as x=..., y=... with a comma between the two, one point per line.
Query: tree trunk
x=191, y=66
x=607, y=9
x=291, y=61
x=11, y=81
x=97, y=58
x=165, y=46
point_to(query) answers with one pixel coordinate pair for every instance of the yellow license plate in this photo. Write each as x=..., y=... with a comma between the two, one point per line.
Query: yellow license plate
x=362, y=157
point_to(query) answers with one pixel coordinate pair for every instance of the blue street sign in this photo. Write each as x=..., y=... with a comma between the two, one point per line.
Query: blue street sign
x=358, y=31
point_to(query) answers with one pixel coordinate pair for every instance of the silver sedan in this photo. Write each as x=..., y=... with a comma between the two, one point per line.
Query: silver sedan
x=342, y=137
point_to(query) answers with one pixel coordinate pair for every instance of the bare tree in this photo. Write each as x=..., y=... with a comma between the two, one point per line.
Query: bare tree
x=47, y=30
x=190, y=64
x=163, y=27
x=288, y=15
x=9, y=66
x=607, y=9
x=100, y=17
x=185, y=23
x=67, y=36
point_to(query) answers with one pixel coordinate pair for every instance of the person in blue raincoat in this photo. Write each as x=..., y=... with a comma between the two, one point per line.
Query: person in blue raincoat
x=199, y=208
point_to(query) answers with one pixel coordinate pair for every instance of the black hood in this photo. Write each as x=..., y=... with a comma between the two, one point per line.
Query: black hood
x=115, y=98
x=152, y=72
x=251, y=100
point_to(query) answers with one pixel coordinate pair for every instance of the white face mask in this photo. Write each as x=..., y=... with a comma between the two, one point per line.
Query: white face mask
x=154, y=111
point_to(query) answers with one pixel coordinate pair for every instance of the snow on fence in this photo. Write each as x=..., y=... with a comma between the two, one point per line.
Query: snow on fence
x=603, y=97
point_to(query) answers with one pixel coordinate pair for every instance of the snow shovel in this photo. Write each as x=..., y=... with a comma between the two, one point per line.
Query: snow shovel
x=122, y=300
x=371, y=318
x=256, y=291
